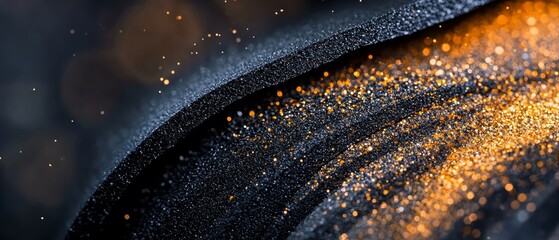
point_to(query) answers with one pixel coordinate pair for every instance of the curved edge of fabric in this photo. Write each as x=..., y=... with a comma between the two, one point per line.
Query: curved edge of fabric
x=383, y=24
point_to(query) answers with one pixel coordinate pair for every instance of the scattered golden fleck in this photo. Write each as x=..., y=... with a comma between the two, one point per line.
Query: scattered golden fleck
x=508, y=187
x=522, y=197
x=445, y=47
x=499, y=50
x=426, y=51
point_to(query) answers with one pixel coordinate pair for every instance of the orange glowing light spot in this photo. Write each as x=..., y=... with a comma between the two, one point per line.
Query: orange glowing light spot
x=251, y=113
x=279, y=93
x=326, y=74
x=426, y=51
x=522, y=197
x=446, y=47
x=509, y=187
x=229, y=119
x=179, y=17
x=126, y=216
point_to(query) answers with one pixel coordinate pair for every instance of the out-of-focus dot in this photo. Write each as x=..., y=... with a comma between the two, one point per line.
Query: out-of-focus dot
x=102, y=112
x=42, y=218
x=445, y=47
x=126, y=216
x=179, y=17
x=531, y=21
x=499, y=50
x=522, y=197
x=531, y=207
x=72, y=31
x=522, y=216
x=426, y=51
x=508, y=187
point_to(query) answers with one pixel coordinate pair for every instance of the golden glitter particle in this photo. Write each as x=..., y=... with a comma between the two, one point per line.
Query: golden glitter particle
x=356, y=74
x=501, y=19
x=426, y=51
x=126, y=216
x=522, y=197
x=445, y=47
x=229, y=119
x=231, y=198
x=508, y=187
x=251, y=113
x=326, y=74
x=166, y=82
x=470, y=195
x=179, y=17
x=370, y=57
x=343, y=236
x=482, y=200
x=531, y=21
x=499, y=50
x=234, y=31
x=355, y=213
x=279, y=93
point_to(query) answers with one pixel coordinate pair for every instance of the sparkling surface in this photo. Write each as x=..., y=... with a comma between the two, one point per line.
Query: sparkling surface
x=450, y=134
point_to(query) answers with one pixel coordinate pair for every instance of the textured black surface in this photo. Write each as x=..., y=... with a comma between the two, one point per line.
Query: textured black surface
x=278, y=59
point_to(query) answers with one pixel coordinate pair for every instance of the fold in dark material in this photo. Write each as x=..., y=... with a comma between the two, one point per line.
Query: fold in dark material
x=278, y=59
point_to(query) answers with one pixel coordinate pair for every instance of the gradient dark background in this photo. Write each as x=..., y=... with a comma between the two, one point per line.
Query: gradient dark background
x=71, y=70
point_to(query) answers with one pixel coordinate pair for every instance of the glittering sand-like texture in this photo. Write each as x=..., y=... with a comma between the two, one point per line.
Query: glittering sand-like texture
x=449, y=133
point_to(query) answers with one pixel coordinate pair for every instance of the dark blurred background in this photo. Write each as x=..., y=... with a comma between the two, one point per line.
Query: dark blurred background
x=70, y=70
